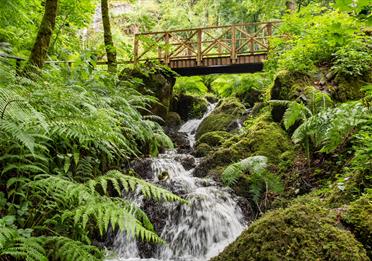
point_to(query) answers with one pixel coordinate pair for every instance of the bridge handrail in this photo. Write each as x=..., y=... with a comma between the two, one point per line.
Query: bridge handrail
x=209, y=27
x=200, y=43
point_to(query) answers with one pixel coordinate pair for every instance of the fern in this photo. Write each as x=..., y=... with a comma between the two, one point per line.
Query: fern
x=66, y=249
x=252, y=164
x=261, y=181
x=13, y=244
x=84, y=204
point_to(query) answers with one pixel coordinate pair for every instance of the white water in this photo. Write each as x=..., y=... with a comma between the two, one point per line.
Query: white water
x=195, y=231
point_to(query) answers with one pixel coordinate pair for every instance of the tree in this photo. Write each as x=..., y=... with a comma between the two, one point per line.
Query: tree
x=41, y=45
x=109, y=44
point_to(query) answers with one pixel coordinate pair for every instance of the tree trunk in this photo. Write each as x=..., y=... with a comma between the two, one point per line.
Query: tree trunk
x=109, y=44
x=41, y=45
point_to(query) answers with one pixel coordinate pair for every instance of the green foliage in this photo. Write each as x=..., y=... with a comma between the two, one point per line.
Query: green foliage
x=190, y=85
x=255, y=164
x=61, y=138
x=312, y=37
x=353, y=59
x=241, y=85
x=261, y=181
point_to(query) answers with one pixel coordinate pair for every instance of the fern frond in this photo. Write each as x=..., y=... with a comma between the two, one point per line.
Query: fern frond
x=29, y=249
x=252, y=164
x=66, y=249
x=130, y=184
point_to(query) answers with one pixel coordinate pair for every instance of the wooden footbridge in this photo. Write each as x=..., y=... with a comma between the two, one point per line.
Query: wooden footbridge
x=235, y=48
x=218, y=49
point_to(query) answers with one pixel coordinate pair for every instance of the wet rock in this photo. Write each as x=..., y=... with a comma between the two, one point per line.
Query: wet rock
x=157, y=81
x=234, y=125
x=226, y=112
x=180, y=141
x=187, y=161
x=189, y=106
x=143, y=168
x=202, y=150
x=173, y=120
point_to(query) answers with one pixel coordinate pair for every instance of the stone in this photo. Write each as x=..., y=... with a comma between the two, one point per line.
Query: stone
x=157, y=81
x=300, y=232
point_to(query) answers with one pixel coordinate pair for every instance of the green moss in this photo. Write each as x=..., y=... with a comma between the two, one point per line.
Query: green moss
x=199, y=107
x=214, y=138
x=358, y=217
x=214, y=122
x=300, y=232
x=157, y=81
x=347, y=90
x=230, y=106
x=286, y=86
x=173, y=119
x=264, y=138
x=189, y=106
x=227, y=111
x=202, y=150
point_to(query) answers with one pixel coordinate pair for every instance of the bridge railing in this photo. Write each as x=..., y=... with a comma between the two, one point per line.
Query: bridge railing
x=201, y=43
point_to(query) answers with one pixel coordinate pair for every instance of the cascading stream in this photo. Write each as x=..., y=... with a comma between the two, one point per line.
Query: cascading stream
x=195, y=231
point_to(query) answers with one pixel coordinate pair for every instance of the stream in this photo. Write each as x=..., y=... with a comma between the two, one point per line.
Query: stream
x=195, y=231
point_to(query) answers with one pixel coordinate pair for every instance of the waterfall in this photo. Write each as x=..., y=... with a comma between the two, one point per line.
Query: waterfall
x=195, y=231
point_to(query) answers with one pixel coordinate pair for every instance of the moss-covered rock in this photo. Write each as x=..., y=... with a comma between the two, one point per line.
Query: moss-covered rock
x=226, y=112
x=214, y=122
x=230, y=106
x=214, y=138
x=263, y=137
x=300, y=232
x=157, y=81
x=202, y=150
x=347, y=89
x=358, y=217
x=189, y=106
x=173, y=119
x=284, y=88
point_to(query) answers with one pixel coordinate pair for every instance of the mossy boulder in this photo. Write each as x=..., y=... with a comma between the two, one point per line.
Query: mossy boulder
x=230, y=106
x=173, y=119
x=358, y=217
x=189, y=106
x=347, y=89
x=263, y=137
x=215, y=122
x=202, y=150
x=157, y=81
x=214, y=138
x=300, y=232
x=226, y=112
x=284, y=87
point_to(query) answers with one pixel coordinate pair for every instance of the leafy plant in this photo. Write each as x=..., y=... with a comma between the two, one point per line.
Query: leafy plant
x=261, y=180
x=62, y=137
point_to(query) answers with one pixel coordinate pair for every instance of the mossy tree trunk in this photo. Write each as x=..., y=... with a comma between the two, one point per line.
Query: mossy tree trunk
x=109, y=44
x=41, y=45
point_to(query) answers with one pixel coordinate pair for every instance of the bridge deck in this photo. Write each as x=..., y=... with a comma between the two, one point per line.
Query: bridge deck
x=218, y=49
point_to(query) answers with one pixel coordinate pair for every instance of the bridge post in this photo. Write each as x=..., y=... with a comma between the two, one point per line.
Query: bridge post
x=269, y=27
x=233, y=44
x=166, y=50
x=199, y=49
